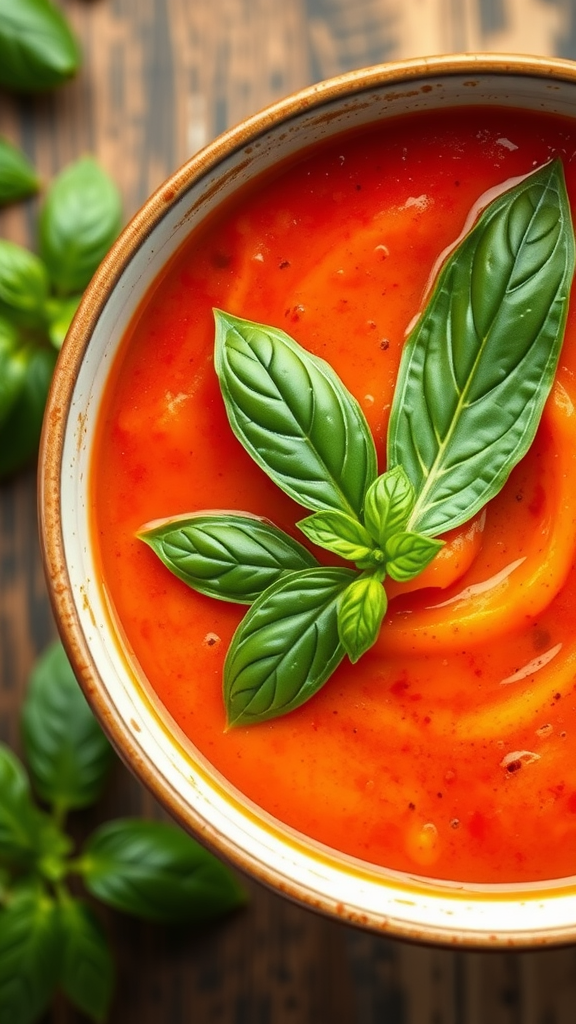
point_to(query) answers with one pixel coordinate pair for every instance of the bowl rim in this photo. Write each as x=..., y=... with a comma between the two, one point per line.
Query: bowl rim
x=162, y=200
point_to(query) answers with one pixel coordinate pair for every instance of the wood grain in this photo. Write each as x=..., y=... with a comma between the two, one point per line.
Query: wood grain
x=160, y=79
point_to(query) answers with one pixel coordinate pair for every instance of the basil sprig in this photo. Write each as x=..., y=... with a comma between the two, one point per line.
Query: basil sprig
x=474, y=376
x=79, y=220
x=50, y=938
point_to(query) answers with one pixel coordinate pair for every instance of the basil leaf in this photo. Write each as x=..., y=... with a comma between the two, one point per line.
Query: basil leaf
x=294, y=416
x=480, y=362
x=158, y=872
x=80, y=218
x=68, y=755
x=20, y=431
x=88, y=973
x=338, y=533
x=388, y=504
x=20, y=820
x=60, y=313
x=360, y=613
x=12, y=367
x=37, y=47
x=286, y=647
x=229, y=556
x=30, y=948
x=23, y=285
x=407, y=554
x=17, y=176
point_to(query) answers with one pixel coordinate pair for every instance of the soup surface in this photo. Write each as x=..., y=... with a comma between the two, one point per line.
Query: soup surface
x=448, y=749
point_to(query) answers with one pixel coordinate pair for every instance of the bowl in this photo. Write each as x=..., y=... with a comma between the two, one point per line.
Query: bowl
x=393, y=902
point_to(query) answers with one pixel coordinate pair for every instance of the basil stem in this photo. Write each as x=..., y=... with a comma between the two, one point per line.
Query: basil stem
x=232, y=557
x=286, y=647
x=480, y=362
x=294, y=416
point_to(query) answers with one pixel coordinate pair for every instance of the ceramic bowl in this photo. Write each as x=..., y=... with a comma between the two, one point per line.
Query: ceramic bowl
x=143, y=733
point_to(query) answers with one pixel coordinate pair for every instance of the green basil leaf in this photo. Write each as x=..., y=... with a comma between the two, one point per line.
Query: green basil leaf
x=294, y=416
x=60, y=313
x=360, y=613
x=229, y=556
x=30, y=953
x=158, y=872
x=286, y=646
x=480, y=362
x=20, y=820
x=80, y=218
x=20, y=431
x=23, y=285
x=388, y=504
x=338, y=533
x=68, y=755
x=88, y=973
x=18, y=178
x=37, y=47
x=12, y=367
x=407, y=554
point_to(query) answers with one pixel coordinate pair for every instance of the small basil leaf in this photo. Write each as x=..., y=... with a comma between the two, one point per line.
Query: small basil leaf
x=286, y=647
x=23, y=285
x=60, y=313
x=158, y=872
x=79, y=220
x=229, y=556
x=12, y=367
x=360, y=613
x=30, y=952
x=407, y=554
x=88, y=973
x=20, y=820
x=68, y=755
x=17, y=176
x=20, y=431
x=294, y=416
x=338, y=533
x=37, y=47
x=388, y=504
x=480, y=362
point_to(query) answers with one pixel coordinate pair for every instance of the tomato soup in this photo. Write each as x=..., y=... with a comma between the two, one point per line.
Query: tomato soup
x=447, y=750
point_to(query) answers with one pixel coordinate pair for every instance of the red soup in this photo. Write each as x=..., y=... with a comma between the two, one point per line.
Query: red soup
x=448, y=749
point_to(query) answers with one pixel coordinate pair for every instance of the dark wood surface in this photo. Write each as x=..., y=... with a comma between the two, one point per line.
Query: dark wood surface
x=161, y=78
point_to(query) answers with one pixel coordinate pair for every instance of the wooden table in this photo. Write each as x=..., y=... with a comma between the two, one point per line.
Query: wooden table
x=161, y=78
